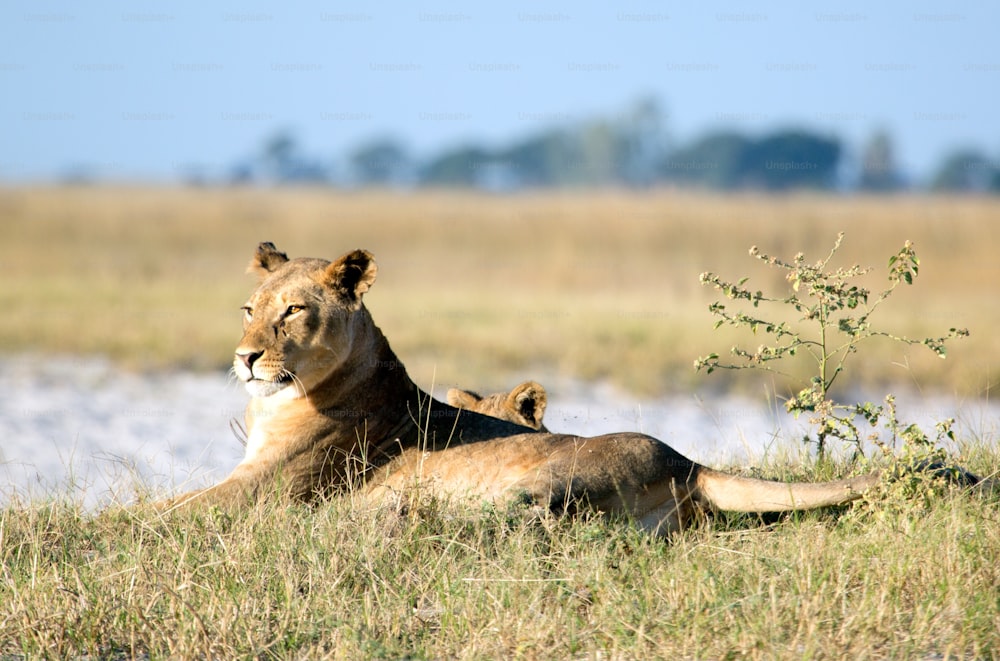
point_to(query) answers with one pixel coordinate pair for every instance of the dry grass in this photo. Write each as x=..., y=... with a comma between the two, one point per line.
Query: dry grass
x=477, y=289
x=899, y=576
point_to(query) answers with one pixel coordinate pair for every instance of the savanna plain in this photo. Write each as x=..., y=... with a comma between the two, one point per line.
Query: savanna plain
x=481, y=291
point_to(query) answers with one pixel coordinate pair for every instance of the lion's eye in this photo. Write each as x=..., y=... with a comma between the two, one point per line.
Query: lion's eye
x=247, y=312
x=294, y=309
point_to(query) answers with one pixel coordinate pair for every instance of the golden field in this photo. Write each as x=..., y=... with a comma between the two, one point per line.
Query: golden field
x=481, y=290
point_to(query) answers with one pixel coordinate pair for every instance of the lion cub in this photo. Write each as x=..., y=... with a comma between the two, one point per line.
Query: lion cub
x=524, y=405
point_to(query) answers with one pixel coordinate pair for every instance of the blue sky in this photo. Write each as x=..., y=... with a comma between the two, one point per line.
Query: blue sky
x=145, y=90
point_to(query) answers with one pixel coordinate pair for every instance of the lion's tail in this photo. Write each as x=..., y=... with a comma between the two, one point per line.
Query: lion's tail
x=744, y=494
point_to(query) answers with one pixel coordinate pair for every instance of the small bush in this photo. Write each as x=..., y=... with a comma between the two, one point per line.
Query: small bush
x=831, y=317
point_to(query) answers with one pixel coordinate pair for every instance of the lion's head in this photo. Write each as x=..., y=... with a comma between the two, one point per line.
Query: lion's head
x=524, y=405
x=302, y=322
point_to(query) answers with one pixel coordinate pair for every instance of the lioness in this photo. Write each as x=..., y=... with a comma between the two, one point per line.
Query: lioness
x=524, y=405
x=331, y=402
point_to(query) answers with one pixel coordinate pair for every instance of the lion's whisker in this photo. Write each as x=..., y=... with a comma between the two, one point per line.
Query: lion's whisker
x=231, y=377
x=300, y=387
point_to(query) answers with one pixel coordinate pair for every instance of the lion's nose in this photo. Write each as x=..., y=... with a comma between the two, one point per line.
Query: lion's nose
x=249, y=358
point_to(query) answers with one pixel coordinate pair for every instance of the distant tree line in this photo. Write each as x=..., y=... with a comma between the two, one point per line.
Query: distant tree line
x=631, y=150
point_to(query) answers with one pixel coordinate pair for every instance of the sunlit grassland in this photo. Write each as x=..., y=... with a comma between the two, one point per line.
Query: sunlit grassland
x=479, y=289
x=902, y=575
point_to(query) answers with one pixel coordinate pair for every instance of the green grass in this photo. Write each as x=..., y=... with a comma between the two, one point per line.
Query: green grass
x=479, y=290
x=898, y=576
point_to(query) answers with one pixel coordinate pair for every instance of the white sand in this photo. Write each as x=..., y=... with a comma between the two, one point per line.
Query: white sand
x=84, y=428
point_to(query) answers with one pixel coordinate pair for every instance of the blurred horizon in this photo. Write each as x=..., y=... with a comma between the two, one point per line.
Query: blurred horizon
x=186, y=93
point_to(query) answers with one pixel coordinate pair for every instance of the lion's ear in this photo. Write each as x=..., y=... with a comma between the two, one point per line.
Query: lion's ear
x=529, y=399
x=266, y=259
x=352, y=275
x=462, y=399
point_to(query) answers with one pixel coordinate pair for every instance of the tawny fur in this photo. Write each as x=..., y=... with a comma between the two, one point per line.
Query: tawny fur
x=524, y=405
x=333, y=406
